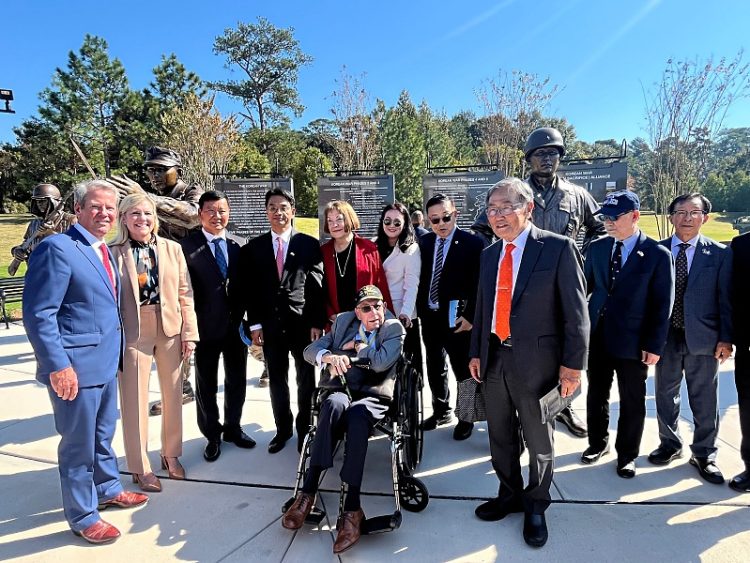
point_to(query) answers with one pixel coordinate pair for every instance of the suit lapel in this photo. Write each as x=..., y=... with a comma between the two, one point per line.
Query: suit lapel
x=91, y=255
x=633, y=258
x=129, y=263
x=700, y=260
x=291, y=257
x=530, y=255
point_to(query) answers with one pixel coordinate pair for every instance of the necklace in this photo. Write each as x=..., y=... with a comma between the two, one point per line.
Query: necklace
x=346, y=262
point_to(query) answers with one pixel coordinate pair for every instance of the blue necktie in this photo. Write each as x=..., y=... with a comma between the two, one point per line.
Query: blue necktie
x=221, y=260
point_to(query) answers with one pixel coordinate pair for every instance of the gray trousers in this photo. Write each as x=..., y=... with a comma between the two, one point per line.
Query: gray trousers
x=702, y=378
x=509, y=402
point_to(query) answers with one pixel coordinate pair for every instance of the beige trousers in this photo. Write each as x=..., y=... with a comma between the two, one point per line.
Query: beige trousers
x=152, y=345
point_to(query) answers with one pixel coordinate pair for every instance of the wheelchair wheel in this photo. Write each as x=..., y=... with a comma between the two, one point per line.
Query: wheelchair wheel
x=412, y=427
x=413, y=494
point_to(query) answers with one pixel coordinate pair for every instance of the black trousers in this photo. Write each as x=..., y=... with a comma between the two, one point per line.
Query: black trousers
x=440, y=341
x=279, y=342
x=631, y=384
x=207, y=353
x=742, y=381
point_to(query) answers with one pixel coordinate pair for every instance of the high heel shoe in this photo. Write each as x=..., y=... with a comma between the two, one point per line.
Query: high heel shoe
x=148, y=482
x=173, y=466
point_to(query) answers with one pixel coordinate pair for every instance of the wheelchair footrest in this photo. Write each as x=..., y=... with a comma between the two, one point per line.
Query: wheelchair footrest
x=381, y=524
x=314, y=518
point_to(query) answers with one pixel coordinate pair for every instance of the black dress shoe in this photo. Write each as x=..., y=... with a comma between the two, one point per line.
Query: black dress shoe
x=570, y=419
x=626, y=470
x=212, y=451
x=496, y=509
x=535, y=529
x=592, y=455
x=741, y=483
x=708, y=470
x=462, y=430
x=434, y=421
x=664, y=455
x=239, y=439
x=278, y=442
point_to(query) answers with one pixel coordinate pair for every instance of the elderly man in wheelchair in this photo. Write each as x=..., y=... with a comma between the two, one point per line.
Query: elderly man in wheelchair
x=359, y=355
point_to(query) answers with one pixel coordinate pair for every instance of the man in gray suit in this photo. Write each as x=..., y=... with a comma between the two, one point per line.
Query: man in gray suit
x=530, y=334
x=699, y=338
x=359, y=397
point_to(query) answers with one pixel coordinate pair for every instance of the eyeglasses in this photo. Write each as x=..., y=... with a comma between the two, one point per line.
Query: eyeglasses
x=612, y=218
x=551, y=154
x=282, y=208
x=694, y=214
x=336, y=221
x=444, y=219
x=369, y=308
x=503, y=211
x=387, y=222
x=215, y=212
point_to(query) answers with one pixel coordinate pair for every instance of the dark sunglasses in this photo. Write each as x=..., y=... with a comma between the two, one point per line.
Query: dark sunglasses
x=445, y=219
x=388, y=222
x=368, y=308
x=612, y=218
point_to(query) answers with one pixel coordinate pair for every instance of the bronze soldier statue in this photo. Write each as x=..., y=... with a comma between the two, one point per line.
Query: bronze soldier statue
x=48, y=207
x=561, y=207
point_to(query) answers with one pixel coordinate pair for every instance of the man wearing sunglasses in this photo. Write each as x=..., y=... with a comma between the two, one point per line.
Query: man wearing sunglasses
x=445, y=305
x=630, y=281
x=560, y=207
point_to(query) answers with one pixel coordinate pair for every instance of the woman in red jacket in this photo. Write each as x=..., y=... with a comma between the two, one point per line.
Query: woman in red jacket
x=350, y=261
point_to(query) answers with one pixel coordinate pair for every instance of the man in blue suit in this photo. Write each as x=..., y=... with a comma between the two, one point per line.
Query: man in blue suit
x=630, y=280
x=71, y=316
x=699, y=339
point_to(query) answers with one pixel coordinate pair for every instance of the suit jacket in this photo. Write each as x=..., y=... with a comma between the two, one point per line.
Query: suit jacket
x=294, y=301
x=175, y=292
x=69, y=312
x=638, y=307
x=458, y=279
x=740, y=295
x=215, y=298
x=549, y=324
x=379, y=379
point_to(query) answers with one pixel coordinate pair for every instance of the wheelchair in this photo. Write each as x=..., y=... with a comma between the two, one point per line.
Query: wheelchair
x=402, y=425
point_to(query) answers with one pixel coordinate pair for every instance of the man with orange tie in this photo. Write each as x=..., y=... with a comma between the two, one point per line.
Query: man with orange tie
x=530, y=334
x=281, y=287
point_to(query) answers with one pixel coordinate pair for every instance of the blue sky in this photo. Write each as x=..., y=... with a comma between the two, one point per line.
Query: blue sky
x=601, y=53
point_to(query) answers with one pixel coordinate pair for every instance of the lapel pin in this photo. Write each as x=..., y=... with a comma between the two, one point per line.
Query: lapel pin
x=291, y=254
x=640, y=253
x=707, y=252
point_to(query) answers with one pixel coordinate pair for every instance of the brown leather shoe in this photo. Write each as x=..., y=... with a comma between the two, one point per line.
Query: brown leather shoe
x=148, y=482
x=125, y=499
x=173, y=466
x=99, y=532
x=349, y=530
x=295, y=516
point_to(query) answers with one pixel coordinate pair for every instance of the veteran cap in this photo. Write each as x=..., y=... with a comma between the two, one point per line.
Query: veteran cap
x=618, y=203
x=368, y=292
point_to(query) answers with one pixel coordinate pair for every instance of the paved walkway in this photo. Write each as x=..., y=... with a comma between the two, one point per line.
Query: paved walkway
x=230, y=510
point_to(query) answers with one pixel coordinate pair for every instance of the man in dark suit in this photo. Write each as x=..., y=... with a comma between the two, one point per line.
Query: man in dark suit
x=212, y=259
x=699, y=338
x=630, y=280
x=445, y=304
x=281, y=276
x=741, y=313
x=417, y=221
x=530, y=334
x=71, y=316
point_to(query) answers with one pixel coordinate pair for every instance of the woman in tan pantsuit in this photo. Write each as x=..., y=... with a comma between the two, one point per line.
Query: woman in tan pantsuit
x=156, y=303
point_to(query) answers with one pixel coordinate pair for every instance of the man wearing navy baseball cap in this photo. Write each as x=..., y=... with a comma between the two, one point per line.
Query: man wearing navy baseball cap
x=630, y=280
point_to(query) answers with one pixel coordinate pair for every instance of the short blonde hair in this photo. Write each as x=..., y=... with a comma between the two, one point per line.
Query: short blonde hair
x=351, y=221
x=126, y=204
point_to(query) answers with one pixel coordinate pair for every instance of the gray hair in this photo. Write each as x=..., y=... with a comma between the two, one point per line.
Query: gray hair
x=518, y=188
x=82, y=190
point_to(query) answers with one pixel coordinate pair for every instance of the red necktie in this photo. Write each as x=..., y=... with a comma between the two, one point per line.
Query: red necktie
x=108, y=265
x=280, y=257
x=504, y=294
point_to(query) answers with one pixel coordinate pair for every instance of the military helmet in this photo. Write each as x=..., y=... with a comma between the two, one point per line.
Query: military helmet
x=160, y=156
x=544, y=137
x=42, y=191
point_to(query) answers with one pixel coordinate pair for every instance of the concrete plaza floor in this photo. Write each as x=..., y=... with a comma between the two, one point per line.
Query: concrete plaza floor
x=230, y=510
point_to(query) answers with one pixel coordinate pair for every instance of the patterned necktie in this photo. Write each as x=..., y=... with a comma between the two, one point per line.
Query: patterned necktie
x=616, y=264
x=504, y=293
x=221, y=260
x=436, y=271
x=680, y=283
x=280, y=257
x=108, y=266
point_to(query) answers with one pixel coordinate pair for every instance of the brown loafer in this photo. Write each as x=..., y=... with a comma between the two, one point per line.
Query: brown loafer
x=125, y=499
x=99, y=532
x=349, y=530
x=173, y=467
x=298, y=512
x=148, y=482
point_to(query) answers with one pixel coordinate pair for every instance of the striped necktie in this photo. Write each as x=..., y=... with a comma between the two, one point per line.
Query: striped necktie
x=436, y=271
x=221, y=260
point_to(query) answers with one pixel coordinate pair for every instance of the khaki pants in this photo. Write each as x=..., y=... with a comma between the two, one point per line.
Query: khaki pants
x=134, y=379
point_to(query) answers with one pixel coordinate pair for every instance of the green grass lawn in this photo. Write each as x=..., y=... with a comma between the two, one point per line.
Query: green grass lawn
x=12, y=228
